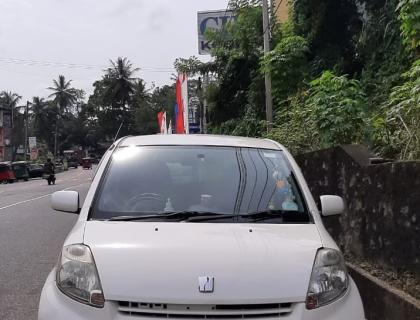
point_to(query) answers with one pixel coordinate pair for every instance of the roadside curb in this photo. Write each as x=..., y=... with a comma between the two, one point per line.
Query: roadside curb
x=382, y=301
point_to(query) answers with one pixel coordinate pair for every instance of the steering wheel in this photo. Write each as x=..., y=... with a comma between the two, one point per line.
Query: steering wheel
x=145, y=201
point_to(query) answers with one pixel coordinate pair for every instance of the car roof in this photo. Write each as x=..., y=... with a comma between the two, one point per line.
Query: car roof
x=200, y=140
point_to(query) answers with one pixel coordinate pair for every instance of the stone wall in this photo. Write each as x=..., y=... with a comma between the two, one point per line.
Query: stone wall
x=381, y=222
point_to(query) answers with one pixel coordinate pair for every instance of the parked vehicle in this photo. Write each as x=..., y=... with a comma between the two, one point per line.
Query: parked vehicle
x=21, y=170
x=87, y=163
x=72, y=163
x=199, y=227
x=76, y=155
x=35, y=170
x=6, y=173
x=59, y=166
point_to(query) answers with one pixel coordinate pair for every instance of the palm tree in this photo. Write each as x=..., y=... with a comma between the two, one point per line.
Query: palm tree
x=9, y=101
x=39, y=113
x=64, y=96
x=119, y=82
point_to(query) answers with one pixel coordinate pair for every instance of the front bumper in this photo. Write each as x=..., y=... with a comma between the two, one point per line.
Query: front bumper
x=55, y=305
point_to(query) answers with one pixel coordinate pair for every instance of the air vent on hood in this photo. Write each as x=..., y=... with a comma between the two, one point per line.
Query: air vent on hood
x=196, y=311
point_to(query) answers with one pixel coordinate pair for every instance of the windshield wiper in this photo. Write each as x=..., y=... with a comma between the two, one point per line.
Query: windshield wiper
x=255, y=216
x=199, y=216
x=183, y=215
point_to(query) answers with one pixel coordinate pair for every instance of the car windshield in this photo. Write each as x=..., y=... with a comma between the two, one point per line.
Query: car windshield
x=159, y=180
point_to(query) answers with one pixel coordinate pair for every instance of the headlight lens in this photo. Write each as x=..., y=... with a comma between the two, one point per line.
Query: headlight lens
x=77, y=275
x=329, y=279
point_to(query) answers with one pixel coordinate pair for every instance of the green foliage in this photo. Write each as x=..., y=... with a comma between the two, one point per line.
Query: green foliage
x=192, y=66
x=336, y=106
x=287, y=65
x=237, y=52
x=380, y=51
x=330, y=27
x=9, y=100
x=409, y=15
x=247, y=126
x=64, y=94
x=398, y=128
x=295, y=127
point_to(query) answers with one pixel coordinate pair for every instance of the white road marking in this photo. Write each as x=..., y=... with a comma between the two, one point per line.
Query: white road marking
x=37, y=198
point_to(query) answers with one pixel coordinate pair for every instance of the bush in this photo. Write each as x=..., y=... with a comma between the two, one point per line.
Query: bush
x=398, y=127
x=294, y=126
x=336, y=106
x=287, y=64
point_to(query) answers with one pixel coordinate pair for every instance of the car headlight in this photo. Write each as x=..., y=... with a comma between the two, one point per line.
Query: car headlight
x=329, y=279
x=77, y=276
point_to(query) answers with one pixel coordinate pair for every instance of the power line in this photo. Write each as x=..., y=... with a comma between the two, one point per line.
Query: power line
x=40, y=63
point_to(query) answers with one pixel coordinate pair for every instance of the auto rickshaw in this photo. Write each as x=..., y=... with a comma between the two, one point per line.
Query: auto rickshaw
x=87, y=163
x=21, y=170
x=6, y=173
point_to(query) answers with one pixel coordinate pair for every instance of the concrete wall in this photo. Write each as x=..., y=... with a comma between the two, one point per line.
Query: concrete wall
x=381, y=222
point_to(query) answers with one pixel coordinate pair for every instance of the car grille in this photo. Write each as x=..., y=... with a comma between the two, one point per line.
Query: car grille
x=198, y=311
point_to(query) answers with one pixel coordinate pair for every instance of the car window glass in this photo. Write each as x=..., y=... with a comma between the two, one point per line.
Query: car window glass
x=189, y=178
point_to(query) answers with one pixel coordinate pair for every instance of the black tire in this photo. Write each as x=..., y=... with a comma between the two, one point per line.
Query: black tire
x=26, y=179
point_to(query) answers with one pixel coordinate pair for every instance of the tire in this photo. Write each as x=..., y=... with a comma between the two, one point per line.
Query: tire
x=26, y=179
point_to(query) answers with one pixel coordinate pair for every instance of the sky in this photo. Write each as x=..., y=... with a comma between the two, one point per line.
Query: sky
x=41, y=39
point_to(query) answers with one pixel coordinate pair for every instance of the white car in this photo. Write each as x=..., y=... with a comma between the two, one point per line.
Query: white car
x=199, y=227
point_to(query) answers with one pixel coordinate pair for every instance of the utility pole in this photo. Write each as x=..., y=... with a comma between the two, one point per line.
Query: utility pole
x=205, y=102
x=56, y=131
x=268, y=96
x=26, y=131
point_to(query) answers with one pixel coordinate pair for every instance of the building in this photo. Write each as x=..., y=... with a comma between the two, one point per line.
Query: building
x=281, y=9
x=6, y=149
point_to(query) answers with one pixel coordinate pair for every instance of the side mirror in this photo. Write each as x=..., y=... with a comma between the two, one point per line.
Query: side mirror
x=331, y=205
x=67, y=201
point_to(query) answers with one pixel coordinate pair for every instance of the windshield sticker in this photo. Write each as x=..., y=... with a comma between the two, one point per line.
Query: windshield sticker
x=270, y=155
x=289, y=206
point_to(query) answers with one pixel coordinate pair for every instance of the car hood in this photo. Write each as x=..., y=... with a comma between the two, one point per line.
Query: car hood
x=162, y=262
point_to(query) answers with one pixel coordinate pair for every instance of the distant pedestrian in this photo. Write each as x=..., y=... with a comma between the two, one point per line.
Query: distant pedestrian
x=49, y=167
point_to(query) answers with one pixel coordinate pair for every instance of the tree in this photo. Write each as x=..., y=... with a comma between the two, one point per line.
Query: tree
x=119, y=82
x=63, y=93
x=9, y=100
x=237, y=51
x=64, y=97
x=336, y=105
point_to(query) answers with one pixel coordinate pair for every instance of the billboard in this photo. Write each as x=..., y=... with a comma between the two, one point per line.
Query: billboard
x=32, y=143
x=211, y=20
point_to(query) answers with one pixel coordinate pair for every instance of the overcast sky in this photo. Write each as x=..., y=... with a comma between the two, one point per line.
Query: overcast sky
x=40, y=39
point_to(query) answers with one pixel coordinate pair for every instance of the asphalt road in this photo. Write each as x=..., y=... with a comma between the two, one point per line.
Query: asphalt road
x=31, y=236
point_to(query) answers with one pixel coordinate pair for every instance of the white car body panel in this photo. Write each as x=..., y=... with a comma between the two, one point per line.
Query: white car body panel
x=55, y=305
x=161, y=262
x=135, y=262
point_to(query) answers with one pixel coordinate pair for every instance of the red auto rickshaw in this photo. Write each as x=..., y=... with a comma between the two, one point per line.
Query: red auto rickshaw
x=87, y=163
x=6, y=173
